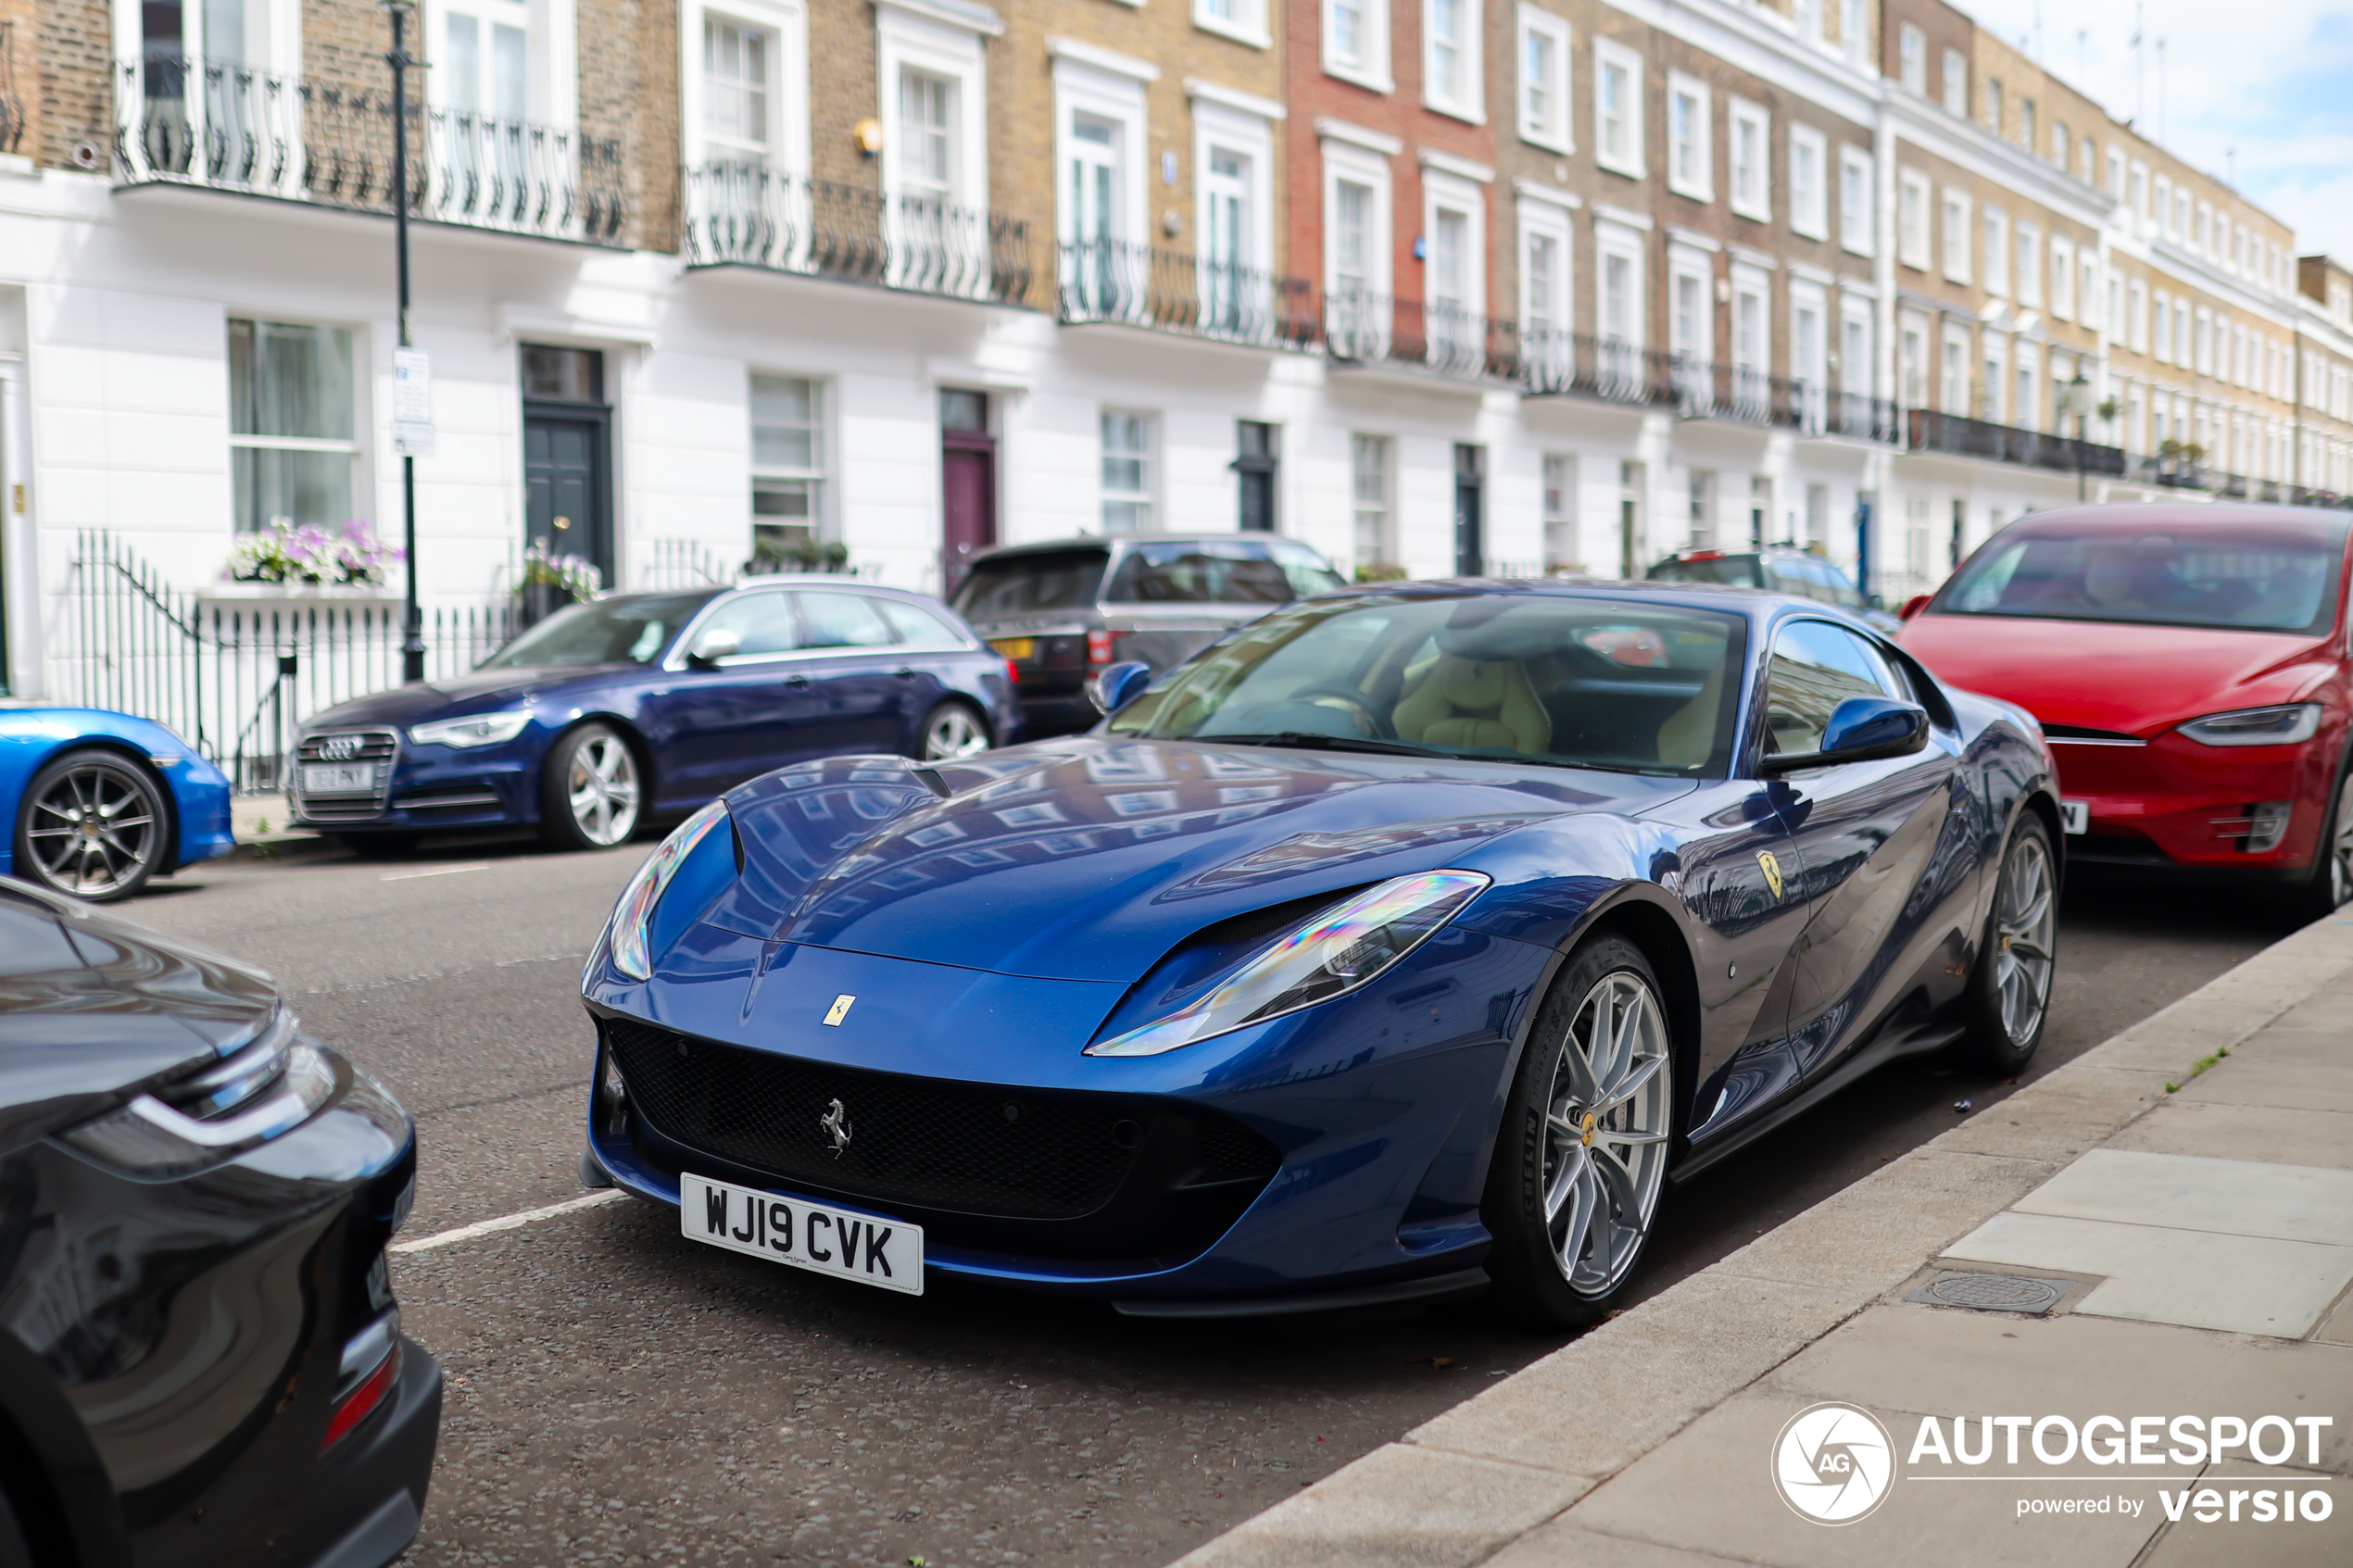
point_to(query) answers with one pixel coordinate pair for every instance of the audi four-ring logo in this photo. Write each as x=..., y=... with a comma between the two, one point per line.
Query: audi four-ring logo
x=338, y=748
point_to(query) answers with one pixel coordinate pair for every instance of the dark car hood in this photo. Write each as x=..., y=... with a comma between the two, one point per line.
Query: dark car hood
x=479, y=691
x=2111, y=676
x=91, y=1006
x=1089, y=857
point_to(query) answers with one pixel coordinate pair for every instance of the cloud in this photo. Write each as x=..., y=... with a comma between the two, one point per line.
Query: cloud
x=2254, y=90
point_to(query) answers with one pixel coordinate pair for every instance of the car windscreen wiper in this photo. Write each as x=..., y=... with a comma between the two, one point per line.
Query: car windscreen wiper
x=1305, y=740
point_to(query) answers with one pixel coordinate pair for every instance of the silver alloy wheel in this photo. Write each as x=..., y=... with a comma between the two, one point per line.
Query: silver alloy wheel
x=1605, y=1129
x=93, y=831
x=2341, y=852
x=2024, y=917
x=602, y=788
x=953, y=733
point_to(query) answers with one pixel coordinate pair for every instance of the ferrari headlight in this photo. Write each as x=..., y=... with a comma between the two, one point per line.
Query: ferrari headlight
x=633, y=917
x=2258, y=726
x=480, y=729
x=271, y=1086
x=1333, y=953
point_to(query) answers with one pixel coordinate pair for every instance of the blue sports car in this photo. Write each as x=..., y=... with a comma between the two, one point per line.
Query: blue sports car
x=645, y=705
x=98, y=802
x=1403, y=943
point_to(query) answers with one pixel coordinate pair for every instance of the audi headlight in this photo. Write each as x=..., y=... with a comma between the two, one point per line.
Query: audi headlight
x=633, y=917
x=2286, y=725
x=271, y=1086
x=480, y=729
x=1329, y=955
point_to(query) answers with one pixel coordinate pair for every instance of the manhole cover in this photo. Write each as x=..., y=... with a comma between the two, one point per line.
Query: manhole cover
x=1992, y=1293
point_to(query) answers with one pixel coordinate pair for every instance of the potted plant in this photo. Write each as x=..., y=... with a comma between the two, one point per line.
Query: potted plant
x=549, y=583
x=309, y=563
x=797, y=552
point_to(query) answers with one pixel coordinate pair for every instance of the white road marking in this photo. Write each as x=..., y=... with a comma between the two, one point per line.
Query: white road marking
x=505, y=1222
x=434, y=871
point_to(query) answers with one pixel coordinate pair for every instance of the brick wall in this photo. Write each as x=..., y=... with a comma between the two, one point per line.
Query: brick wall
x=841, y=91
x=629, y=101
x=64, y=65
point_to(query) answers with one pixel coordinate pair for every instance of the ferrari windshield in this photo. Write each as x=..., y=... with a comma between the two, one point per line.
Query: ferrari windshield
x=1616, y=684
x=627, y=631
x=2272, y=576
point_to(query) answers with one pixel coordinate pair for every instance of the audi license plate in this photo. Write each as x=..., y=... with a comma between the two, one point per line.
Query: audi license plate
x=808, y=1235
x=2075, y=816
x=354, y=778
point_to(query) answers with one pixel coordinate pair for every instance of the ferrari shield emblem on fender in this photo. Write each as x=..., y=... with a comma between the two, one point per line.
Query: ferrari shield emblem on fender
x=1763, y=858
x=840, y=1009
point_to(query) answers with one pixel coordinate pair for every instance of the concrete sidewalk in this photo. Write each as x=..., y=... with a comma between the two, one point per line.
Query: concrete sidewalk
x=2169, y=1220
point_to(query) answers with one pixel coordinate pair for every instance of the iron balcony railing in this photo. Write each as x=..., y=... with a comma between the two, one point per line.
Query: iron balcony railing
x=219, y=125
x=1572, y=364
x=1375, y=329
x=1174, y=290
x=747, y=214
x=14, y=115
x=1931, y=432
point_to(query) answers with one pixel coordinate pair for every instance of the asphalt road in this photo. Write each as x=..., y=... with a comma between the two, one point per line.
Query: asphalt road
x=618, y=1395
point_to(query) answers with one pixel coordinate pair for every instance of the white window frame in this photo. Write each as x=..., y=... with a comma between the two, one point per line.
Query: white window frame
x=552, y=89
x=819, y=475
x=1752, y=359
x=1614, y=241
x=1627, y=160
x=1955, y=83
x=1557, y=132
x=1758, y=201
x=1954, y=371
x=1360, y=166
x=2026, y=268
x=1147, y=498
x=1248, y=24
x=906, y=40
x=1373, y=70
x=1470, y=102
x=1698, y=183
x=1452, y=193
x=1857, y=311
x=1911, y=58
x=1358, y=506
x=2062, y=279
x=1084, y=87
x=1857, y=221
x=2136, y=314
x=1251, y=136
x=1805, y=295
x=1552, y=220
x=1913, y=382
x=1994, y=224
x=1960, y=234
x=1916, y=222
x=1809, y=210
x=353, y=449
x=786, y=24
x=1687, y=264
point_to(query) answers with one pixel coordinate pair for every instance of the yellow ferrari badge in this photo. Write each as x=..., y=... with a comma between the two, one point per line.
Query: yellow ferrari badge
x=1772, y=871
x=840, y=1009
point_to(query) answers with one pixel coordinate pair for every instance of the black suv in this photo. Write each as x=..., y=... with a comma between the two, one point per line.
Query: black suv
x=1062, y=609
x=1782, y=569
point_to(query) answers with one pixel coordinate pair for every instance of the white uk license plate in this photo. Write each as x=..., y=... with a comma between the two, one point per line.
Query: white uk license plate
x=356, y=778
x=2075, y=816
x=888, y=1253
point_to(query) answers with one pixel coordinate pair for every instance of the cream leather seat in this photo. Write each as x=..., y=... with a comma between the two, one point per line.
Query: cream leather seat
x=1471, y=702
x=1689, y=735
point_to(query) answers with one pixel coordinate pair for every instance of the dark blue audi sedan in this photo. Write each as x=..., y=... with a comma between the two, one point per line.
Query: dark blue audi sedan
x=1407, y=941
x=649, y=704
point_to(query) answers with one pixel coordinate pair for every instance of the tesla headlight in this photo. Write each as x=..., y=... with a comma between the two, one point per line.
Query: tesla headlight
x=2258, y=726
x=273, y=1085
x=633, y=917
x=480, y=729
x=1329, y=955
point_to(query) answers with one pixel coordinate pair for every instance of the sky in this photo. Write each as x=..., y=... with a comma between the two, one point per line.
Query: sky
x=2262, y=88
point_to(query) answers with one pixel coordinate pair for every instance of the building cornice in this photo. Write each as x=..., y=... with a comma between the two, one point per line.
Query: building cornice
x=1084, y=54
x=954, y=12
x=1537, y=190
x=1970, y=146
x=1372, y=141
x=1207, y=92
x=1739, y=37
x=1460, y=168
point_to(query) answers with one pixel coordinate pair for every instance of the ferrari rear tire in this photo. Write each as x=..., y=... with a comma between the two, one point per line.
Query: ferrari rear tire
x=92, y=826
x=2009, y=991
x=1580, y=1158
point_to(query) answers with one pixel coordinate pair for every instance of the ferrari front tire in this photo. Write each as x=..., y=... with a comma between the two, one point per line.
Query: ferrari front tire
x=1580, y=1158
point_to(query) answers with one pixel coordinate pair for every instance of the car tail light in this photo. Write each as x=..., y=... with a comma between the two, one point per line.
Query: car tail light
x=1099, y=647
x=1013, y=672
x=370, y=1367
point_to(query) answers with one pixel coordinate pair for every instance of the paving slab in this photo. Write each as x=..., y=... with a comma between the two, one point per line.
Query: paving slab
x=2225, y=1130
x=1398, y=1507
x=2191, y=1543
x=1563, y=1545
x=2198, y=1193
x=2059, y=1117
x=1710, y=1489
x=2244, y=1283
x=2311, y=1072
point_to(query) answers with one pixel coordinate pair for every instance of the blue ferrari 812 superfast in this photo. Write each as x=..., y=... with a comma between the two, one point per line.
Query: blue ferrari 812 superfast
x=1407, y=942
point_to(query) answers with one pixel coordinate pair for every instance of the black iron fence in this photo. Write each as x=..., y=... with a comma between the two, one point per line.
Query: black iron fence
x=238, y=680
x=1176, y=291
x=751, y=215
x=183, y=120
x=1962, y=436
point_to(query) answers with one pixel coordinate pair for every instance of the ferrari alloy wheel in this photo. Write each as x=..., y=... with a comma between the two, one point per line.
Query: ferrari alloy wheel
x=92, y=825
x=954, y=731
x=2011, y=989
x=1582, y=1161
x=591, y=793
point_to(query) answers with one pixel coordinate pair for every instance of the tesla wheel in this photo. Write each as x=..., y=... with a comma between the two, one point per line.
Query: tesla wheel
x=1581, y=1158
x=589, y=792
x=2331, y=887
x=954, y=730
x=92, y=824
x=2009, y=993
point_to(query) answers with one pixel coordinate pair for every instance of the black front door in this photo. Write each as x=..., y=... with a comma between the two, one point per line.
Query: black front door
x=1470, y=543
x=567, y=470
x=1257, y=465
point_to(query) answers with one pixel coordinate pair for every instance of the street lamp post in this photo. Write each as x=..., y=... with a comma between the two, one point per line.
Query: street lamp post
x=2079, y=403
x=412, y=634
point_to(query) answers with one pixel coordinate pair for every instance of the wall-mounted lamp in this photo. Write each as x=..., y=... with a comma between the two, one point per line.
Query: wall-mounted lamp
x=868, y=135
x=1172, y=222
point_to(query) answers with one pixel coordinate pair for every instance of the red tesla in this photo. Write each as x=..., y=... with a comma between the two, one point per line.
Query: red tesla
x=2190, y=667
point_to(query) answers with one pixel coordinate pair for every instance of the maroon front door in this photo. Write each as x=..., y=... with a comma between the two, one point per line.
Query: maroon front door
x=968, y=484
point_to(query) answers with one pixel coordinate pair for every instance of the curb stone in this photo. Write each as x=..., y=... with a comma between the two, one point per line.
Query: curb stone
x=1593, y=1408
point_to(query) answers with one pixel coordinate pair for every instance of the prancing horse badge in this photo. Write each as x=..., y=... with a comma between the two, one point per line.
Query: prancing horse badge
x=1763, y=858
x=840, y=1009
